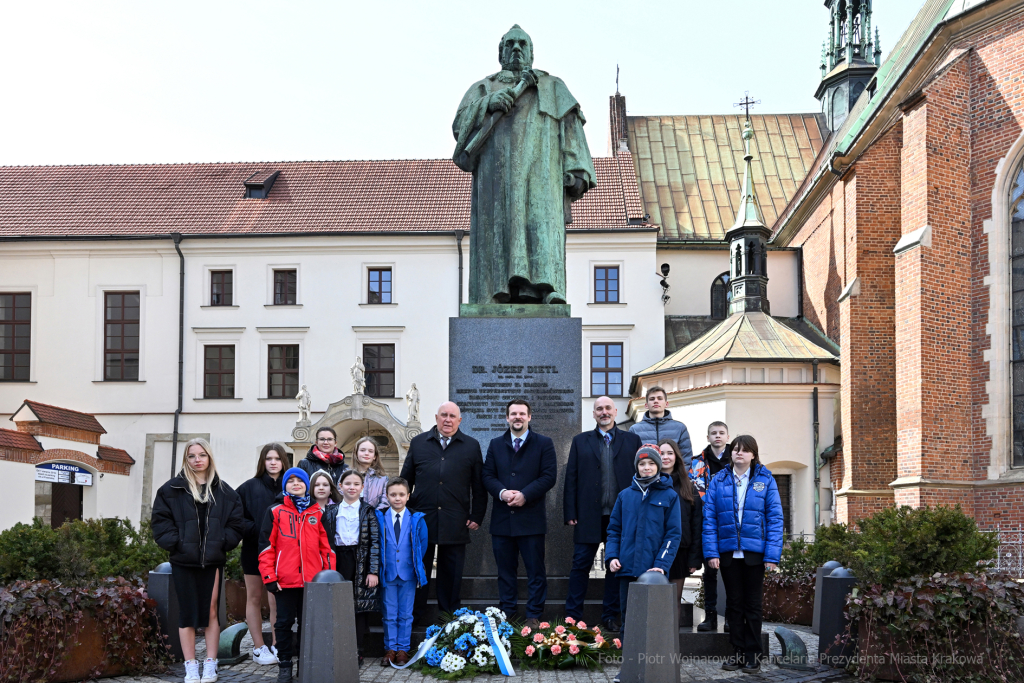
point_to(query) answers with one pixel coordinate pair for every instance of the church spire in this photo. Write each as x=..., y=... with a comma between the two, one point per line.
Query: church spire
x=748, y=244
x=850, y=60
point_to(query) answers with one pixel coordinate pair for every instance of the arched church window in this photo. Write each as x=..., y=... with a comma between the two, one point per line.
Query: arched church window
x=721, y=295
x=1017, y=333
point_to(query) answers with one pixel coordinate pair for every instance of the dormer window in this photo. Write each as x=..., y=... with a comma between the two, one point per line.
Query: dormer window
x=257, y=186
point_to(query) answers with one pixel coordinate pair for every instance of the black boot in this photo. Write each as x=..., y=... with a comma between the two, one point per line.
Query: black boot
x=710, y=622
x=284, y=671
x=733, y=663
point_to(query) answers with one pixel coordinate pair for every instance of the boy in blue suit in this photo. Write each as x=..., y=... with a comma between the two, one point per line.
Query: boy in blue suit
x=403, y=542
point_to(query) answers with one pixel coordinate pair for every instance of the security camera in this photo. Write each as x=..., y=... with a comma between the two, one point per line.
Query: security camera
x=664, y=269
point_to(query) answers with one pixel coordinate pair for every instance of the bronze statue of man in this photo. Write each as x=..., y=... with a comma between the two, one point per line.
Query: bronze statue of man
x=520, y=133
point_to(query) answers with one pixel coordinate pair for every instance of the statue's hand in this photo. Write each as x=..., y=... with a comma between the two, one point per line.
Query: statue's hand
x=575, y=184
x=500, y=101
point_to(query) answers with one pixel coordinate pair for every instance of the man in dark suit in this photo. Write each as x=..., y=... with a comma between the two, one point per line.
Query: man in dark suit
x=600, y=466
x=520, y=468
x=444, y=466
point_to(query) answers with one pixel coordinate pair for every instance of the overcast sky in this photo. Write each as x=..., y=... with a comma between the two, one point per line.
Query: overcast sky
x=224, y=80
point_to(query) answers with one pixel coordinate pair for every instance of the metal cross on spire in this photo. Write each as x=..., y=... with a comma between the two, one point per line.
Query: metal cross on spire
x=616, y=79
x=747, y=102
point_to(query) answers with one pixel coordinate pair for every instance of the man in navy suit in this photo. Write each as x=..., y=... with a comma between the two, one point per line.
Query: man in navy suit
x=600, y=466
x=520, y=468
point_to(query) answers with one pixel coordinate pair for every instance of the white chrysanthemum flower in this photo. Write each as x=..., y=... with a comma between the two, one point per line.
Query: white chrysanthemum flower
x=468, y=619
x=479, y=632
x=452, y=662
x=452, y=626
x=508, y=645
x=495, y=612
x=483, y=655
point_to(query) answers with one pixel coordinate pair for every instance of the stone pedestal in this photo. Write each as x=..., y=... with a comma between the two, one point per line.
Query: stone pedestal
x=494, y=359
x=649, y=648
x=328, y=643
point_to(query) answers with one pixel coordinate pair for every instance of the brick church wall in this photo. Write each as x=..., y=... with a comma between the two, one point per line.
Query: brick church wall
x=915, y=397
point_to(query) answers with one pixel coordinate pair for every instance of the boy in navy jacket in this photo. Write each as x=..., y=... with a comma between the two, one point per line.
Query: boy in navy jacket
x=403, y=542
x=645, y=527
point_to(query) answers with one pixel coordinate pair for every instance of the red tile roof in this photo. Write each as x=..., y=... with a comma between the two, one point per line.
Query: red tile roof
x=307, y=197
x=12, y=439
x=114, y=455
x=65, y=418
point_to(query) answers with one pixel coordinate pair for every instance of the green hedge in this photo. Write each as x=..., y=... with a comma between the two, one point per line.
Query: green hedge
x=78, y=552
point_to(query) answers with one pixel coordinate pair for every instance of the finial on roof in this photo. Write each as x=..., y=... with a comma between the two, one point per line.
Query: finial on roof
x=749, y=212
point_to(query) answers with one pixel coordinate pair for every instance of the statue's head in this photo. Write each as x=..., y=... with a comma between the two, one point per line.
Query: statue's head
x=515, y=51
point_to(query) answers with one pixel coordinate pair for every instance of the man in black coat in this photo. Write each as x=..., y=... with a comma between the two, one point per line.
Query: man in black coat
x=444, y=468
x=600, y=466
x=520, y=468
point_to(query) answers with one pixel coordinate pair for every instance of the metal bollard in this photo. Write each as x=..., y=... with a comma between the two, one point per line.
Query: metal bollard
x=650, y=653
x=835, y=588
x=328, y=647
x=161, y=588
x=819, y=577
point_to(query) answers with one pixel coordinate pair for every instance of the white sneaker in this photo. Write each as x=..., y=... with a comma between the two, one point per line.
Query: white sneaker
x=272, y=649
x=192, y=671
x=263, y=655
x=209, y=671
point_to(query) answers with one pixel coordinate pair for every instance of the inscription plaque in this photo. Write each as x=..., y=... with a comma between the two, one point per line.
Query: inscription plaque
x=492, y=360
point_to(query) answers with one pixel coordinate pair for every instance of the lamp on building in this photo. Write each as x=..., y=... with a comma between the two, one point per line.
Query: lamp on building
x=664, y=283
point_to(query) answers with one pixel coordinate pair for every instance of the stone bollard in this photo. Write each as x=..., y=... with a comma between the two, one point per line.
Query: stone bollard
x=161, y=588
x=650, y=653
x=835, y=588
x=328, y=647
x=819, y=577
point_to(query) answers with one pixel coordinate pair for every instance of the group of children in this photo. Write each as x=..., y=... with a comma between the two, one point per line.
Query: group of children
x=373, y=548
x=671, y=522
x=723, y=512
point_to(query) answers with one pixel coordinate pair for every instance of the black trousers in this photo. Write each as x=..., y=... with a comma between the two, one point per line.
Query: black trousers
x=710, y=580
x=347, y=568
x=579, y=579
x=744, y=586
x=507, y=550
x=624, y=582
x=451, y=559
x=289, y=609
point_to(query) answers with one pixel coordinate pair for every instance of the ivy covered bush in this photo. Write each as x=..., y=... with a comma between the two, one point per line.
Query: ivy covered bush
x=42, y=621
x=79, y=551
x=928, y=607
x=84, y=580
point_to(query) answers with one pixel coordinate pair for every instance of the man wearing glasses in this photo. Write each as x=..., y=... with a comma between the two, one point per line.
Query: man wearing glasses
x=324, y=455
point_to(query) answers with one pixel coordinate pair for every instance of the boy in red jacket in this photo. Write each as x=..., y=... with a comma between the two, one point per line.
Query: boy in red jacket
x=293, y=548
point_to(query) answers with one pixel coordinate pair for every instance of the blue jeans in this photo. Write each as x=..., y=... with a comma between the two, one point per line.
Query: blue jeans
x=579, y=577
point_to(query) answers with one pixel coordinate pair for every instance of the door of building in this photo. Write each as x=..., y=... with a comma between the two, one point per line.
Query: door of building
x=66, y=500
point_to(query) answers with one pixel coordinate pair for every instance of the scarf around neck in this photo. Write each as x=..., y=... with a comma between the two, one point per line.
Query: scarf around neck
x=301, y=502
x=335, y=458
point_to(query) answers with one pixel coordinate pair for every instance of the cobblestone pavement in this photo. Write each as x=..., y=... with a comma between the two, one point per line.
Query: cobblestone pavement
x=694, y=670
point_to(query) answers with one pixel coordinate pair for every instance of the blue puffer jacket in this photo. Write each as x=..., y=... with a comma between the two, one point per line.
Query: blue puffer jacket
x=644, y=530
x=761, y=531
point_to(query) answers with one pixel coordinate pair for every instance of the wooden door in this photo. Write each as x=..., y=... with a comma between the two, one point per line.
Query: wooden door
x=67, y=503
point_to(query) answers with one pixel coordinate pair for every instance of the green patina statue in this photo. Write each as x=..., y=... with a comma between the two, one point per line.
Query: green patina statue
x=520, y=133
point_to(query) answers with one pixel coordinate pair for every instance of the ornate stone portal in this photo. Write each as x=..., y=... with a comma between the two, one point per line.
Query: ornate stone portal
x=355, y=416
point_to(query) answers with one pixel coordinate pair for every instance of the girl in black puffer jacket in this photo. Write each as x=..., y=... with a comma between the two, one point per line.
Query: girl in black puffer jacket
x=198, y=519
x=355, y=540
x=257, y=496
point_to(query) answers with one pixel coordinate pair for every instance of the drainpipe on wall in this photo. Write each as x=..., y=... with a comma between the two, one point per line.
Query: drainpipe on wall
x=817, y=456
x=181, y=345
x=458, y=240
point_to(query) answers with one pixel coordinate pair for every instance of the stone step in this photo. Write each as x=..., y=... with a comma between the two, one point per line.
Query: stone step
x=694, y=643
x=486, y=587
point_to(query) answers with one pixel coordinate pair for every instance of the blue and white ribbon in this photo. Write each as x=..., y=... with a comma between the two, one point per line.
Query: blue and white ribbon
x=504, y=663
x=421, y=651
